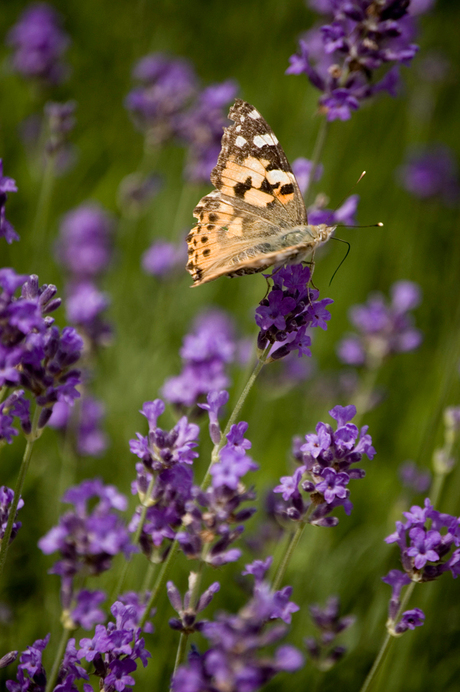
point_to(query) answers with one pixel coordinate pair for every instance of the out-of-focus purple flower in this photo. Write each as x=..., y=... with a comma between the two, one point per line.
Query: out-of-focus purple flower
x=86, y=612
x=163, y=258
x=288, y=311
x=14, y=406
x=85, y=304
x=89, y=536
x=6, y=185
x=39, y=44
x=325, y=469
x=166, y=87
x=233, y=662
x=86, y=420
x=323, y=655
x=345, y=214
x=413, y=477
x=6, y=498
x=59, y=121
x=384, y=328
x=341, y=56
x=431, y=173
x=201, y=128
x=215, y=402
x=114, y=650
x=136, y=191
x=188, y=609
x=139, y=603
x=31, y=673
x=205, y=352
x=302, y=171
x=85, y=241
x=410, y=619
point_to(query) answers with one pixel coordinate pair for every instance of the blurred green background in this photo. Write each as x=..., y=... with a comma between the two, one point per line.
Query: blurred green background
x=250, y=42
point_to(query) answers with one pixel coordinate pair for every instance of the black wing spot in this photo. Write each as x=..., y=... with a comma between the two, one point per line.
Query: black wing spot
x=204, y=238
x=213, y=217
x=240, y=189
x=210, y=226
x=287, y=189
x=206, y=252
x=268, y=187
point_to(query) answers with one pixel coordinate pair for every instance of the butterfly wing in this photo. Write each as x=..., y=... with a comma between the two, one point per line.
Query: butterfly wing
x=257, y=199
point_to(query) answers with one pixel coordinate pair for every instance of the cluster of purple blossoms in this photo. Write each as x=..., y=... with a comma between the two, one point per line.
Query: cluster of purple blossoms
x=214, y=517
x=289, y=310
x=164, y=478
x=39, y=44
x=6, y=498
x=237, y=658
x=384, y=329
x=329, y=623
x=429, y=542
x=114, y=650
x=325, y=460
x=206, y=352
x=84, y=423
x=413, y=477
x=34, y=354
x=163, y=259
x=166, y=87
x=317, y=213
x=31, y=674
x=429, y=173
x=201, y=126
x=189, y=607
x=89, y=536
x=6, y=185
x=341, y=56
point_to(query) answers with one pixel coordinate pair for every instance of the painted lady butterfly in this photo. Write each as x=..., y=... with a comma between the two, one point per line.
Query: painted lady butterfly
x=256, y=217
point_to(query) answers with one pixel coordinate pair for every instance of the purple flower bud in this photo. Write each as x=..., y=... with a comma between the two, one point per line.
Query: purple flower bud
x=6, y=229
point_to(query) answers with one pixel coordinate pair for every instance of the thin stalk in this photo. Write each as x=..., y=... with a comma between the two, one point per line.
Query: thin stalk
x=34, y=435
x=362, y=398
x=292, y=545
x=181, y=649
x=148, y=576
x=137, y=535
x=39, y=228
x=58, y=659
x=159, y=582
x=387, y=643
x=236, y=412
x=317, y=151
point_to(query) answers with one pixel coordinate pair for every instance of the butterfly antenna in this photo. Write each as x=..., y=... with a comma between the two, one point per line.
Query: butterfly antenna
x=346, y=255
x=351, y=188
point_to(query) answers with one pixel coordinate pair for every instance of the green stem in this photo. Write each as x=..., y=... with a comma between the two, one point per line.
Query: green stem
x=235, y=413
x=387, y=643
x=33, y=435
x=39, y=227
x=181, y=649
x=295, y=538
x=317, y=151
x=137, y=535
x=159, y=582
x=362, y=398
x=58, y=659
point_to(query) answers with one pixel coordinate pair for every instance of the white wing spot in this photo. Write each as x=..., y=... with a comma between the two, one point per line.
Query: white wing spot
x=240, y=141
x=278, y=176
x=258, y=141
x=255, y=115
x=262, y=140
x=238, y=128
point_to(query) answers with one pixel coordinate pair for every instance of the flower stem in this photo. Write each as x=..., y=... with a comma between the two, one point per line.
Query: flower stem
x=159, y=582
x=236, y=412
x=181, y=649
x=39, y=229
x=33, y=435
x=58, y=659
x=362, y=398
x=387, y=643
x=317, y=151
x=295, y=538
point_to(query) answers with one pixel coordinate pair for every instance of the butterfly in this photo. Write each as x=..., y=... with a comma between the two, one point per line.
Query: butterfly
x=256, y=216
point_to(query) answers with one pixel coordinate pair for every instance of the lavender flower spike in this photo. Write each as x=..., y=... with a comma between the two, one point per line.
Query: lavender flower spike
x=6, y=185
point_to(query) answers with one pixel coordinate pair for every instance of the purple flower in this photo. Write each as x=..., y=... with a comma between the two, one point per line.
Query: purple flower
x=87, y=613
x=302, y=171
x=205, y=352
x=6, y=498
x=289, y=310
x=326, y=459
x=341, y=57
x=163, y=257
x=85, y=420
x=431, y=173
x=88, y=536
x=6, y=185
x=345, y=214
x=85, y=241
x=188, y=608
x=410, y=619
x=397, y=580
x=215, y=402
x=166, y=87
x=31, y=673
x=15, y=405
x=235, y=660
x=413, y=477
x=330, y=625
x=39, y=44
x=384, y=328
x=201, y=128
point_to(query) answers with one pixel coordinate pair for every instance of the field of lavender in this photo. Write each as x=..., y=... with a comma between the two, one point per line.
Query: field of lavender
x=179, y=505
